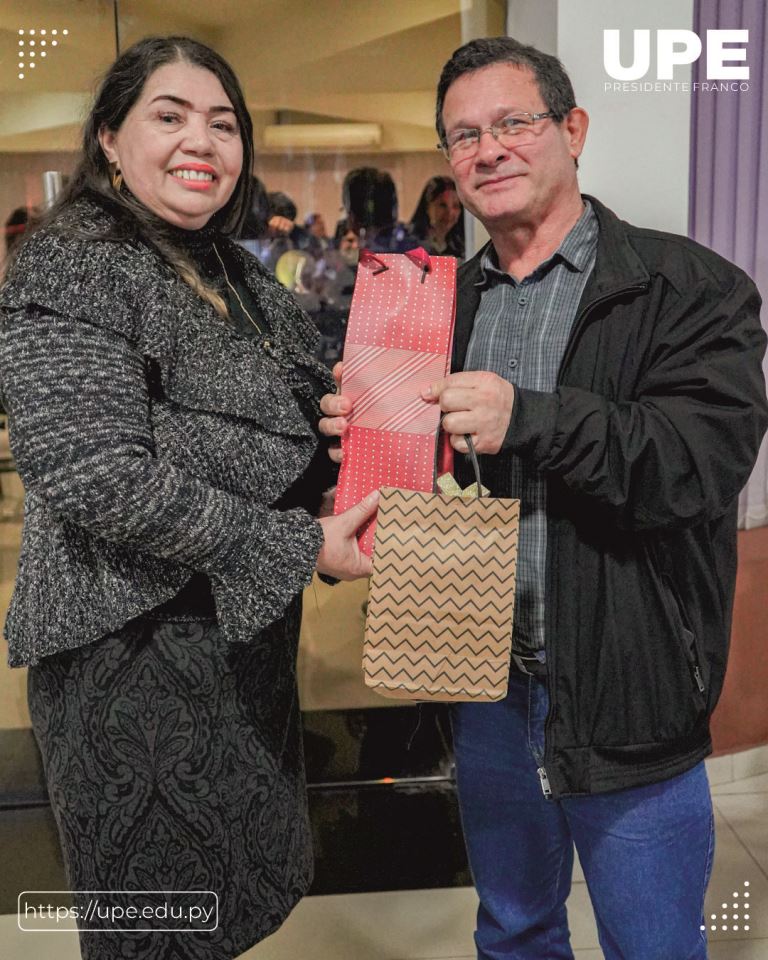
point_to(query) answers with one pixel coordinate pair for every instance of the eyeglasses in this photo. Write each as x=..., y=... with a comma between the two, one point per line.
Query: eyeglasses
x=511, y=131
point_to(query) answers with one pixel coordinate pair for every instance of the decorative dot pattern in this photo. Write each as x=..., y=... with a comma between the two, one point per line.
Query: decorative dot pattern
x=27, y=45
x=735, y=916
x=406, y=460
x=395, y=309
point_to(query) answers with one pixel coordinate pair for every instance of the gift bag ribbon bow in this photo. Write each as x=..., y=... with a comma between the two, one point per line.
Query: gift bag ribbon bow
x=448, y=485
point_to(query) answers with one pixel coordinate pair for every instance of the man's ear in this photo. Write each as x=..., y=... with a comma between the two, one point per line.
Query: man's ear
x=108, y=141
x=575, y=125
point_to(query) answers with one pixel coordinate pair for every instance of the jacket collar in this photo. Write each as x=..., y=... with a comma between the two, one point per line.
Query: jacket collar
x=617, y=267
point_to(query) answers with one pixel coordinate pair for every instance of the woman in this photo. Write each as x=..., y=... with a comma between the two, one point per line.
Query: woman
x=437, y=222
x=162, y=395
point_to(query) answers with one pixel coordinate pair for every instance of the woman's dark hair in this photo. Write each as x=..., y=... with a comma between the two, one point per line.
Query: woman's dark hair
x=369, y=197
x=119, y=90
x=434, y=187
x=552, y=80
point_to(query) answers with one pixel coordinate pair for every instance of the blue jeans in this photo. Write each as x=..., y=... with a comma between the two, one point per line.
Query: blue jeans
x=646, y=851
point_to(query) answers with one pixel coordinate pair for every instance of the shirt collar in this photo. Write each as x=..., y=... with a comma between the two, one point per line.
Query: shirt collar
x=576, y=249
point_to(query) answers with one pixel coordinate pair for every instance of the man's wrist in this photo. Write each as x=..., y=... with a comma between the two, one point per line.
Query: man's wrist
x=532, y=423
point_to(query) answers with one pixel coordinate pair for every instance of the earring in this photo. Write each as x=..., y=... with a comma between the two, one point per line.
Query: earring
x=117, y=177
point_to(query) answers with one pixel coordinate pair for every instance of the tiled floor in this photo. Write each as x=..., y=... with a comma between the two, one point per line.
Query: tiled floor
x=437, y=924
x=434, y=924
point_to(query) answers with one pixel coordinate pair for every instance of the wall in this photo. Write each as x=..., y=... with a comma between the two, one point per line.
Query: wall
x=636, y=156
x=741, y=717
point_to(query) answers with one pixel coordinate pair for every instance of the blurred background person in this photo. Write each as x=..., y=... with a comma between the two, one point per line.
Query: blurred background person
x=349, y=246
x=270, y=228
x=369, y=197
x=314, y=223
x=254, y=229
x=437, y=221
x=282, y=233
x=338, y=270
x=282, y=222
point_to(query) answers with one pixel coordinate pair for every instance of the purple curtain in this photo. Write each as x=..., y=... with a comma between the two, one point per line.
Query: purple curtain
x=729, y=177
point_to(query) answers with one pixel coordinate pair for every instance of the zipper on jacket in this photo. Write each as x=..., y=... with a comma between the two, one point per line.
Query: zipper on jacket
x=549, y=576
x=545, y=787
x=578, y=322
x=690, y=646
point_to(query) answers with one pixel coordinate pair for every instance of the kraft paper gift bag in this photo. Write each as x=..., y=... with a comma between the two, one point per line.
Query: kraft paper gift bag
x=441, y=601
x=399, y=339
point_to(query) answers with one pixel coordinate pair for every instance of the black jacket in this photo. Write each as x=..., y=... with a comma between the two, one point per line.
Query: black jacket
x=646, y=443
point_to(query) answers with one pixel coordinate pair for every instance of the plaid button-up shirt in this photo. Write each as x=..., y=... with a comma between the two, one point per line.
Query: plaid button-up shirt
x=520, y=333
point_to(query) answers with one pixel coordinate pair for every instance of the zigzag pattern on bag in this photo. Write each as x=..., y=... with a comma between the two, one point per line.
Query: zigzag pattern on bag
x=439, y=623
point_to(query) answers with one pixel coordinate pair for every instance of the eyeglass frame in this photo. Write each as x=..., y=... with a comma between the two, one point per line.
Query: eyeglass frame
x=494, y=131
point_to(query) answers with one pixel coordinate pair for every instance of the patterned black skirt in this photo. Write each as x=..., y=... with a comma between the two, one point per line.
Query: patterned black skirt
x=173, y=761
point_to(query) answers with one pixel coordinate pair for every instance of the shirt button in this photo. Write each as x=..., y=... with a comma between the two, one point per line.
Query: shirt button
x=522, y=300
x=512, y=363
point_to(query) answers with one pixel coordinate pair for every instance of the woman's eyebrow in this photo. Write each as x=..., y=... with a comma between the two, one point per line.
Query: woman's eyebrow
x=185, y=103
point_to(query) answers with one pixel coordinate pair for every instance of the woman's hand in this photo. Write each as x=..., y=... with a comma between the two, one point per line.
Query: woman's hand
x=340, y=556
x=336, y=409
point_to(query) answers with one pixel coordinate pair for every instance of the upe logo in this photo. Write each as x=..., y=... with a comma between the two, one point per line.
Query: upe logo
x=676, y=47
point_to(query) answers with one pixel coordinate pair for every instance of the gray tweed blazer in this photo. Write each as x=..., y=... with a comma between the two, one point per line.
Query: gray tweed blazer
x=151, y=439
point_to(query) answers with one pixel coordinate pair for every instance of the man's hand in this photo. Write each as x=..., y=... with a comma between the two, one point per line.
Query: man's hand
x=336, y=408
x=477, y=403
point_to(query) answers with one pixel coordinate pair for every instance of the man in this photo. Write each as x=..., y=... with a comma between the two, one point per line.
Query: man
x=612, y=378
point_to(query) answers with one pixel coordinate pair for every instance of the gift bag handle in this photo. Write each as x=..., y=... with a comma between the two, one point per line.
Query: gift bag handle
x=475, y=463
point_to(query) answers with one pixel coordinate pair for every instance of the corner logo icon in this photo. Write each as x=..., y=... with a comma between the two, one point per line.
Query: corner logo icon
x=726, y=54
